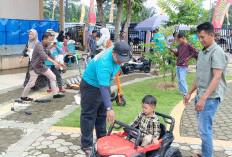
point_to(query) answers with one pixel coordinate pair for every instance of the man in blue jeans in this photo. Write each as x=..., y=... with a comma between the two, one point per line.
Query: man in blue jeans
x=210, y=84
x=184, y=52
x=96, y=105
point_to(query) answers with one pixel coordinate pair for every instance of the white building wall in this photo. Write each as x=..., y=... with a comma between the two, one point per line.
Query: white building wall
x=19, y=9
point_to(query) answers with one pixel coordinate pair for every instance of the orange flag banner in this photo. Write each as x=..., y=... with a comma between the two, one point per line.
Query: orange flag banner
x=82, y=14
x=54, y=7
x=111, y=20
x=220, y=11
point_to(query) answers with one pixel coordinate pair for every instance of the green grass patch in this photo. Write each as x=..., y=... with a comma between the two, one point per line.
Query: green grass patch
x=134, y=93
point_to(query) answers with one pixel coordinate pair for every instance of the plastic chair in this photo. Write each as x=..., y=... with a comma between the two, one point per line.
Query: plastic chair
x=72, y=50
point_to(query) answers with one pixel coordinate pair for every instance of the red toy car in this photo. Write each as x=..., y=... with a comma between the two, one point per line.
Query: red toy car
x=119, y=145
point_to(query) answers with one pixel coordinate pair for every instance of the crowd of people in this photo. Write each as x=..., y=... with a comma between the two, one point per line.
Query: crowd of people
x=46, y=60
x=211, y=61
x=106, y=60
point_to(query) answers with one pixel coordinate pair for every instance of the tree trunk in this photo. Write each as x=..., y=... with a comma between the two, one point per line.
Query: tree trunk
x=118, y=20
x=101, y=12
x=128, y=15
x=173, y=76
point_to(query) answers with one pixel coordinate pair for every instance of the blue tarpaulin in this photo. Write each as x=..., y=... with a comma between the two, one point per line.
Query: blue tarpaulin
x=14, y=31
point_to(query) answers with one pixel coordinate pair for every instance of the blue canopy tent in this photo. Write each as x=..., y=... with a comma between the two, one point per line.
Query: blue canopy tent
x=152, y=23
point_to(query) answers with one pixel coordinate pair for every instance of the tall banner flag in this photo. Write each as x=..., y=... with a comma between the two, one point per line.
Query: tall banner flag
x=82, y=14
x=54, y=7
x=220, y=10
x=111, y=20
x=227, y=16
x=92, y=16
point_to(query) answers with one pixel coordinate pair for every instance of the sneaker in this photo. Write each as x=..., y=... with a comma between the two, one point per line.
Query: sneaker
x=49, y=90
x=62, y=90
x=26, y=99
x=58, y=96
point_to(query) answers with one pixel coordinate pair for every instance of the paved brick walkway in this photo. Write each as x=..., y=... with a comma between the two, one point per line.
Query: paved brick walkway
x=222, y=128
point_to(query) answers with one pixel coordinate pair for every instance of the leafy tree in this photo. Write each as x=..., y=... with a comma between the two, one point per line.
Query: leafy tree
x=123, y=13
x=101, y=12
x=183, y=11
x=74, y=20
x=72, y=10
x=162, y=59
x=143, y=14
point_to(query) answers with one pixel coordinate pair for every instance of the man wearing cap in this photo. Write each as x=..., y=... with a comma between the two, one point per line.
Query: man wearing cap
x=184, y=52
x=96, y=104
x=218, y=39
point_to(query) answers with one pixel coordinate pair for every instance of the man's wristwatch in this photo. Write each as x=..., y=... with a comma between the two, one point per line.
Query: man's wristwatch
x=109, y=108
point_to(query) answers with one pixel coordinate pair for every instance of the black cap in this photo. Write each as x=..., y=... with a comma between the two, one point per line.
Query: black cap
x=181, y=34
x=122, y=51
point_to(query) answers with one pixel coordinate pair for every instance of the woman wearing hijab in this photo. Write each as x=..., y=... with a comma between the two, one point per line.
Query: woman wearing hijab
x=66, y=51
x=60, y=37
x=27, y=52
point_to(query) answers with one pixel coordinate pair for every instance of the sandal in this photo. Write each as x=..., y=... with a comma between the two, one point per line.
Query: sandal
x=87, y=150
x=197, y=155
x=26, y=99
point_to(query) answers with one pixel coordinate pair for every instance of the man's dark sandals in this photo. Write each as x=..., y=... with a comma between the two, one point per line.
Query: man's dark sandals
x=197, y=155
x=26, y=99
x=86, y=150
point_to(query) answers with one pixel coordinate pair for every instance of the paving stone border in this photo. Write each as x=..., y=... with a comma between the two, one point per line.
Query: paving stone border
x=222, y=128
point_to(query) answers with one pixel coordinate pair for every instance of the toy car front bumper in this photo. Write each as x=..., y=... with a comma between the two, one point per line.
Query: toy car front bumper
x=94, y=153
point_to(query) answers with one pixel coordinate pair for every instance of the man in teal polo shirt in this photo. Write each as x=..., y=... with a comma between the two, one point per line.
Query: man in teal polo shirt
x=96, y=104
x=210, y=84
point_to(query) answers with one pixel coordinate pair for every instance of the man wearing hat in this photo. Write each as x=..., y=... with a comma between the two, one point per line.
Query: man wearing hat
x=218, y=39
x=96, y=104
x=184, y=52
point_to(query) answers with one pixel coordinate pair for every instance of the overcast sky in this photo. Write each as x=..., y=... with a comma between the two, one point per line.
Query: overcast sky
x=206, y=4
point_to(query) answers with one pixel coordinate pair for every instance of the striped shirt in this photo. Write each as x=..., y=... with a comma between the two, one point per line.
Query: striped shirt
x=40, y=54
x=184, y=53
x=147, y=125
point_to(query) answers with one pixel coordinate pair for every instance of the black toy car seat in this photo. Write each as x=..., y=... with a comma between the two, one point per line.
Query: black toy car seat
x=162, y=130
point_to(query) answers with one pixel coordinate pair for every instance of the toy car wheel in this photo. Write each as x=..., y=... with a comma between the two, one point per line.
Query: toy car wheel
x=125, y=68
x=123, y=102
x=112, y=96
x=146, y=69
x=173, y=152
x=132, y=69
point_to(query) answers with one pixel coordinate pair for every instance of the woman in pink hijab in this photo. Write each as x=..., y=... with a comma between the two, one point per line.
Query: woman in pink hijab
x=66, y=51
